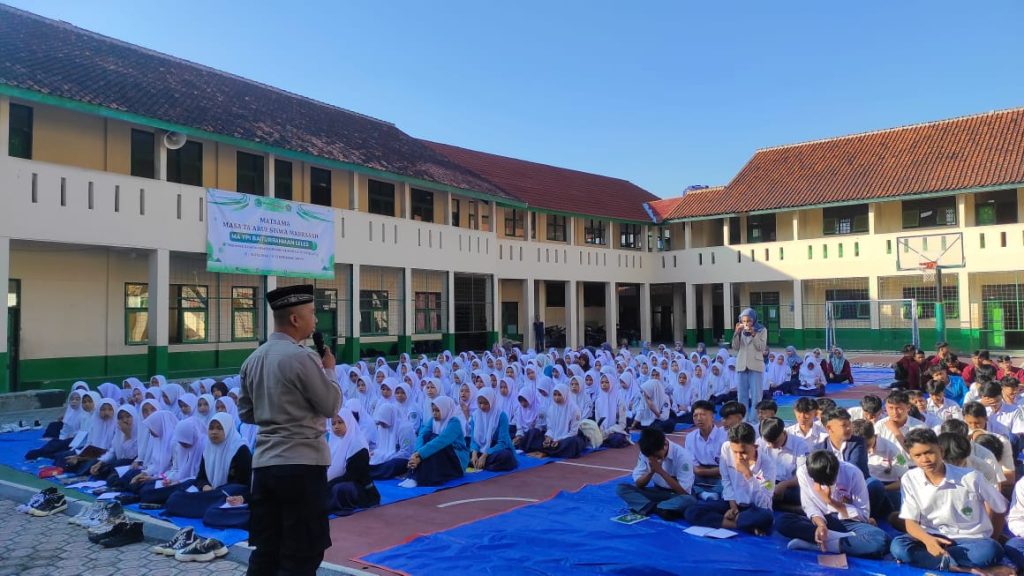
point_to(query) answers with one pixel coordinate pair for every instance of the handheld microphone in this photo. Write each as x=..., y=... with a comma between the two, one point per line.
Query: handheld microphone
x=318, y=342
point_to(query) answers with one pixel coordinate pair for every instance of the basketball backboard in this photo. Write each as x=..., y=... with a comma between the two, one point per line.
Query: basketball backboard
x=919, y=252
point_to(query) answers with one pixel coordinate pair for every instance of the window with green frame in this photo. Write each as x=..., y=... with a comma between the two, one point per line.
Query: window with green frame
x=136, y=314
x=429, y=313
x=243, y=313
x=189, y=314
x=556, y=227
x=19, y=138
x=373, y=312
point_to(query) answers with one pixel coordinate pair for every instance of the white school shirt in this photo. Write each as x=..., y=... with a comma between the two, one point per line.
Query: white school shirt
x=983, y=460
x=1006, y=461
x=948, y=411
x=1010, y=416
x=788, y=458
x=1015, y=518
x=678, y=463
x=931, y=420
x=850, y=488
x=956, y=507
x=856, y=413
x=887, y=462
x=882, y=431
x=706, y=452
x=756, y=491
x=813, y=437
x=973, y=393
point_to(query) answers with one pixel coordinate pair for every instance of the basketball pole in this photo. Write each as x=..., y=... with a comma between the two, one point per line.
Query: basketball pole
x=940, y=309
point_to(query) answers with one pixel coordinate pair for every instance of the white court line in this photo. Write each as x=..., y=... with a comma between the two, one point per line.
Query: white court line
x=467, y=501
x=593, y=466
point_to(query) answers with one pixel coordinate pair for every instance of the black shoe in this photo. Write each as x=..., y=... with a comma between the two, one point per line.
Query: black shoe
x=53, y=502
x=183, y=539
x=123, y=533
x=202, y=550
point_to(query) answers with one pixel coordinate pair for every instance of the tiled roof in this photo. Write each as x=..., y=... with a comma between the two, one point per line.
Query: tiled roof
x=956, y=154
x=660, y=209
x=58, y=59
x=697, y=203
x=553, y=188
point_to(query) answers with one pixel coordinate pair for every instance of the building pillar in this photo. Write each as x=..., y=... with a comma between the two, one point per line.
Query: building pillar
x=158, y=321
x=352, y=349
x=5, y=278
x=876, y=322
x=645, y=312
x=798, y=304
x=687, y=236
x=268, y=176
x=726, y=232
x=494, y=334
x=571, y=232
x=611, y=313
x=872, y=214
x=530, y=309
x=353, y=191
x=5, y=134
x=269, y=284
x=571, y=313
x=690, y=299
x=796, y=224
x=961, y=210
x=708, y=310
x=728, y=315
x=448, y=338
x=408, y=313
x=963, y=285
x=448, y=209
x=405, y=209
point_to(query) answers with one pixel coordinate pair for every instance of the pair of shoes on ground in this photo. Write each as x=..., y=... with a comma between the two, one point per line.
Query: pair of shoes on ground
x=108, y=525
x=186, y=546
x=47, y=502
x=97, y=513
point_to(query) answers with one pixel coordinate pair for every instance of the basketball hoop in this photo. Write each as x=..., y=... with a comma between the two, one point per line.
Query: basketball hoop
x=928, y=270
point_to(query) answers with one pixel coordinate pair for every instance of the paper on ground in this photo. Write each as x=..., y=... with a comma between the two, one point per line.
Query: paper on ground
x=122, y=470
x=88, y=485
x=108, y=495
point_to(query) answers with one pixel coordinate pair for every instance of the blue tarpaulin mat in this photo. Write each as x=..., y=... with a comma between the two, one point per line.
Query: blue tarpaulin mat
x=390, y=492
x=573, y=534
x=229, y=536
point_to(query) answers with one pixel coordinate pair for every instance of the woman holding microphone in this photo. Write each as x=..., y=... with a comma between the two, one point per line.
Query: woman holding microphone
x=749, y=342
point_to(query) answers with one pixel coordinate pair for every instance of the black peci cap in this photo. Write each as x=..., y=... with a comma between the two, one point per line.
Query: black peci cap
x=290, y=296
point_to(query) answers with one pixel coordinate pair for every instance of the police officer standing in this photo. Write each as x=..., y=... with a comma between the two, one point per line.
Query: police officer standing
x=289, y=392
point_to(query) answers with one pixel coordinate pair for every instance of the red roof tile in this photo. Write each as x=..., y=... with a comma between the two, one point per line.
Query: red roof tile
x=56, y=58
x=553, y=188
x=698, y=203
x=948, y=155
x=660, y=209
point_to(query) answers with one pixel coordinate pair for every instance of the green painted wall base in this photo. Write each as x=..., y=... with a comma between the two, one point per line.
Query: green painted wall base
x=5, y=372
x=350, y=351
x=448, y=341
x=157, y=360
x=690, y=337
x=492, y=339
x=405, y=344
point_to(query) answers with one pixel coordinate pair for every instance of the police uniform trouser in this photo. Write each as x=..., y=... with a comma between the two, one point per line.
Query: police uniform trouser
x=288, y=525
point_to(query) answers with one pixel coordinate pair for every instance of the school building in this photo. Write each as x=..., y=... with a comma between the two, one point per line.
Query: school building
x=107, y=149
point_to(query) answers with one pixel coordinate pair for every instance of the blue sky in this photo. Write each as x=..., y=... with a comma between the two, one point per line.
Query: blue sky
x=665, y=94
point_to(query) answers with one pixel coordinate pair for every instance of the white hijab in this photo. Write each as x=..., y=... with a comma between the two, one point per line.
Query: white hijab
x=388, y=438
x=343, y=447
x=606, y=406
x=126, y=448
x=563, y=419
x=101, y=432
x=186, y=460
x=161, y=448
x=217, y=457
x=447, y=408
x=485, y=424
x=73, y=417
x=366, y=423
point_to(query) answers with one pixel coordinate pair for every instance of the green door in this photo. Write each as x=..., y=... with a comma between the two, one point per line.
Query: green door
x=995, y=325
x=327, y=312
x=13, y=332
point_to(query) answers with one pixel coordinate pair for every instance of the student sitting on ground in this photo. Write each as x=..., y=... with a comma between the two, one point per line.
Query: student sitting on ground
x=886, y=463
x=747, y=486
x=125, y=448
x=836, y=510
x=948, y=528
x=100, y=437
x=490, y=443
x=870, y=409
x=898, y=423
x=766, y=409
x=562, y=439
x=441, y=453
x=957, y=450
x=939, y=404
x=979, y=425
x=705, y=443
x=811, y=378
x=348, y=477
x=850, y=448
x=837, y=367
x=732, y=413
x=610, y=411
x=529, y=421
x=669, y=467
x=395, y=443
x=1014, y=547
x=789, y=452
x=225, y=470
x=805, y=410
x=919, y=409
x=187, y=454
x=981, y=458
x=953, y=387
x=653, y=407
x=1000, y=398
x=62, y=432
